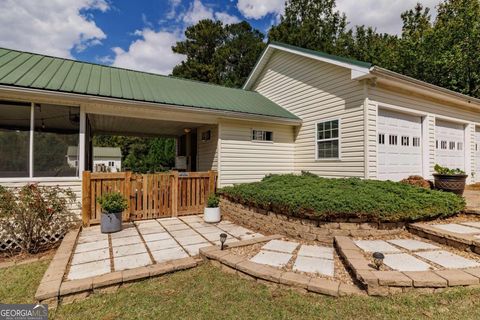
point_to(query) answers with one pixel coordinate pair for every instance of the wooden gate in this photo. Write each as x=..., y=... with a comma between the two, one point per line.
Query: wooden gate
x=149, y=196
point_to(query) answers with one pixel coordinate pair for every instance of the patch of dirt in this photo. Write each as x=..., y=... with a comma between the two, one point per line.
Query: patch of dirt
x=21, y=258
x=474, y=187
x=456, y=219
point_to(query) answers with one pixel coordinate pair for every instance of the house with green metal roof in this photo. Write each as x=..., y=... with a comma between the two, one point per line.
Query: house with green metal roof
x=299, y=110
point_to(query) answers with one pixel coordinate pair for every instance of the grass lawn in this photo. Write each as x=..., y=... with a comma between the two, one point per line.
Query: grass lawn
x=207, y=293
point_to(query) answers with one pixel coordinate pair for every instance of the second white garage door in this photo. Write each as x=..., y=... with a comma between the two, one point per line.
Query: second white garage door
x=399, y=145
x=449, y=144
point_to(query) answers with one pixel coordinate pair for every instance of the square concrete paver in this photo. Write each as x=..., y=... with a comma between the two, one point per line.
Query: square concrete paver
x=89, y=256
x=316, y=252
x=314, y=265
x=162, y=244
x=90, y=269
x=131, y=261
x=169, y=254
x=405, y=262
x=250, y=236
x=91, y=246
x=156, y=236
x=126, y=241
x=184, y=241
x=177, y=227
x=124, y=233
x=281, y=246
x=457, y=228
x=194, y=249
x=413, y=245
x=447, y=259
x=274, y=259
x=92, y=238
x=151, y=230
x=130, y=249
x=472, y=224
x=376, y=246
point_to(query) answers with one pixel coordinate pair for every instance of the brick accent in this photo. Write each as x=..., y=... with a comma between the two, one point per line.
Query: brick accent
x=301, y=228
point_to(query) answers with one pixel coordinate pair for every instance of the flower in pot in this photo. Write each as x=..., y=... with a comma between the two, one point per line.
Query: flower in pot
x=211, y=213
x=113, y=204
x=451, y=180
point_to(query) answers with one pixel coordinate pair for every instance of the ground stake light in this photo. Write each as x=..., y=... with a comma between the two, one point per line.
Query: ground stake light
x=378, y=259
x=223, y=238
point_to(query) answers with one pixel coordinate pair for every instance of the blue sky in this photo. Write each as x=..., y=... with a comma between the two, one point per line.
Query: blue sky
x=138, y=34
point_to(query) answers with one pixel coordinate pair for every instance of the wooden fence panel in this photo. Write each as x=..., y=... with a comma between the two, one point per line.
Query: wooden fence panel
x=149, y=196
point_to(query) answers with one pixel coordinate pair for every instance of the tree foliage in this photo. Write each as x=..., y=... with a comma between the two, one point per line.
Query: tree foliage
x=217, y=53
x=142, y=154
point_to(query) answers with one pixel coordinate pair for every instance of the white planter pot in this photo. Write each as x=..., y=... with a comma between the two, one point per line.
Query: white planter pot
x=211, y=215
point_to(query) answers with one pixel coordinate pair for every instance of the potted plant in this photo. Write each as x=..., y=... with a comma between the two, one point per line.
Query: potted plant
x=451, y=180
x=113, y=204
x=211, y=213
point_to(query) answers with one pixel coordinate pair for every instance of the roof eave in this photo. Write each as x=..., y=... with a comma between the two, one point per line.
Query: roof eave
x=77, y=97
x=424, y=88
x=271, y=47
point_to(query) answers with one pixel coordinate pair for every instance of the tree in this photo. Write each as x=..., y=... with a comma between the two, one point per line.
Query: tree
x=217, y=53
x=312, y=24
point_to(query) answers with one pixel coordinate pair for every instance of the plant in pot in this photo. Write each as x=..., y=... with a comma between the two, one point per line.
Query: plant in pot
x=451, y=180
x=211, y=213
x=113, y=204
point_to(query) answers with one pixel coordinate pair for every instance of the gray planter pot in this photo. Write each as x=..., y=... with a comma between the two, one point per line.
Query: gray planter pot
x=111, y=222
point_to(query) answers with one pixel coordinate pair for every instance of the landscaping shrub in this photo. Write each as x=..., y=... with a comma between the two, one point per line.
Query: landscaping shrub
x=34, y=217
x=113, y=202
x=417, y=181
x=213, y=201
x=325, y=199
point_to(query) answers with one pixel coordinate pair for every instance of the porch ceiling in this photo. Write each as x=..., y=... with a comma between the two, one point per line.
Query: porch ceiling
x=106, y=124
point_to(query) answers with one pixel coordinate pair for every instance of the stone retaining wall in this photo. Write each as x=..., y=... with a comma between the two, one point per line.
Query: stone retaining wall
x=307, y=229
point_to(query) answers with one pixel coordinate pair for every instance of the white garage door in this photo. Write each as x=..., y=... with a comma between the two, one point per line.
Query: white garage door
x=399, y=145
x=449, y=144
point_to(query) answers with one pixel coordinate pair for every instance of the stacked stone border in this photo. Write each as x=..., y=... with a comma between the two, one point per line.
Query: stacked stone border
x=264, y=274
x=460, y=241
x=382, y=283
x=306, y=229
x=54, y=290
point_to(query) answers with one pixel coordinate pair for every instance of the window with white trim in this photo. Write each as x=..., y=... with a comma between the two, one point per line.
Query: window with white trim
x=328, y=140
x=451, y=145
x=405, y=141
x=459, y=145
x=262, y=135
x=392, y=139
x=443, y=145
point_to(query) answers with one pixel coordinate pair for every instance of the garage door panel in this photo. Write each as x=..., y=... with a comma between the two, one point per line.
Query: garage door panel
x=398, y=155
x=449, y=144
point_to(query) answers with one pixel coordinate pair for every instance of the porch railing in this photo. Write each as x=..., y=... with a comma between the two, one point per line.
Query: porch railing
x=149, y=196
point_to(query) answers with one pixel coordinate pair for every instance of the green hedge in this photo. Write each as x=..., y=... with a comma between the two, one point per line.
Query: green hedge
x=307, y=195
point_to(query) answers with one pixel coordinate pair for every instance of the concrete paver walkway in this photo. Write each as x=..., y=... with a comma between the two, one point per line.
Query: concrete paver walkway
x=147, y=242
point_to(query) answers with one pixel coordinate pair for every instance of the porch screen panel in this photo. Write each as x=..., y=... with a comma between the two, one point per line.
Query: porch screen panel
x=56, y=140
x=14, y=139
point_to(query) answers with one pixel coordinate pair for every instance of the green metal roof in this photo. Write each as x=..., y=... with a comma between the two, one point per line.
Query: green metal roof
x=324, y=55
x=35, y=71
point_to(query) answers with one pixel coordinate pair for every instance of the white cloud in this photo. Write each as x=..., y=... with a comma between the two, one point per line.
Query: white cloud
x=173, y=8
x=254, y=9
x=382, y=14
x=152, y=52
x=197, y=11
x=50, y=27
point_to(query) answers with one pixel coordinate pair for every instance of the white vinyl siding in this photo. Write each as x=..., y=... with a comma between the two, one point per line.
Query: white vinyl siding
x=431, y=111
x=207, y=151
x=315, y=91
x=243, y=160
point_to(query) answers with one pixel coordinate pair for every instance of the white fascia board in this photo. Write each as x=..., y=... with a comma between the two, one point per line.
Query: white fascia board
x=358, y=72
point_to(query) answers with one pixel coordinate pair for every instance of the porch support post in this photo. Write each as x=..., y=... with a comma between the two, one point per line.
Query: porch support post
x=211, y=182
x=86, y=201
x=81, y=147
x=32, y=129
x=174, y=193
x=128, y=193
